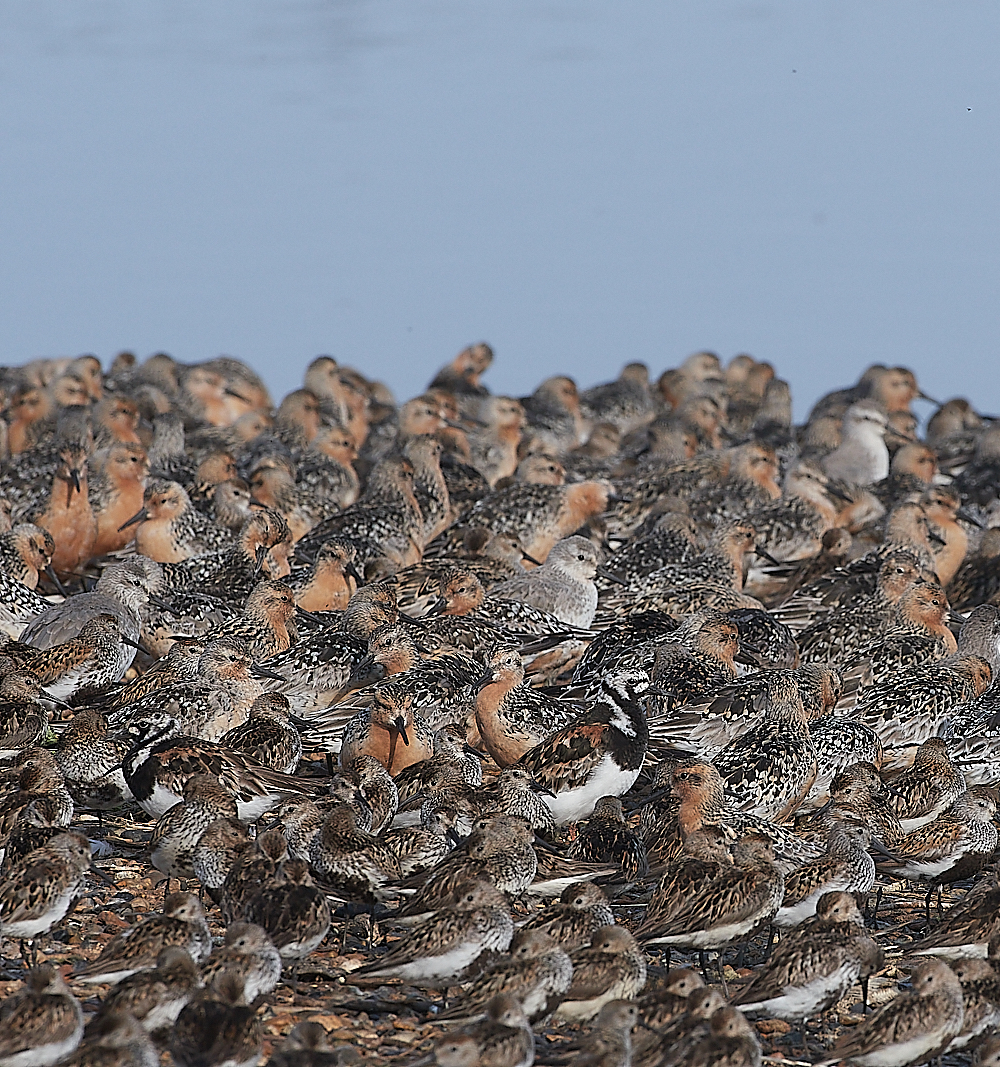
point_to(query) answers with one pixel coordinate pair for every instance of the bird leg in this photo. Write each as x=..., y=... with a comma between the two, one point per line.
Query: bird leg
x=927, y=905
x=864, y=995
x=703, y=960
x=873, y=918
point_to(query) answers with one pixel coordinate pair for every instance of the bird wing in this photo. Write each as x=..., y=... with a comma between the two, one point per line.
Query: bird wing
x=566, y=758
x=593, y=974
x=38, y=1020
x=931, y=842
x=901, y=1020
x=448, y=931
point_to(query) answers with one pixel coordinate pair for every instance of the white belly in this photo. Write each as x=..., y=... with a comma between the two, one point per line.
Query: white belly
x=606, y=780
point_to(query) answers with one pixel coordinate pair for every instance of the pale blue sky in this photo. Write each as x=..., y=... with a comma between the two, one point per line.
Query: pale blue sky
x=579, y=183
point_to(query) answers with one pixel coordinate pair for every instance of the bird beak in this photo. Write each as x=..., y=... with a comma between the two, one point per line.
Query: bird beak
x=134, y=644
x=437, y=606
x=967, y=516
x=103, y=877
x=609, y=576
x=530, y=559
x=882, y=850
x=255, y=503
x=935, y=539
x=158, y=603
x=50, y=571
x=637, y=804
x=929, y=399
x=766, y=556
x=260, y=554
x=400, y=723
x=74, y=475
x=140, y=516
x=232, y=392
x=482, y=680
x=838, y=494
x=310, y=615
x=262, y=672
x=750, y=655
x=453, y=836
x=353, y=572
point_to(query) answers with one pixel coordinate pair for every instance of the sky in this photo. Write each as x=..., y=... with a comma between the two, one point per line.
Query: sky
x=579, y=183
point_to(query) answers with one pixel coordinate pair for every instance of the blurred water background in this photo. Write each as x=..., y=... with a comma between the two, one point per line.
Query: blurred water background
x=580, y=183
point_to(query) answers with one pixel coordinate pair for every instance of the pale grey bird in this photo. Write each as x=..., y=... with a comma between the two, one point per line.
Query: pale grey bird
x=862, y=458
x=563, y=585
x=122, y=591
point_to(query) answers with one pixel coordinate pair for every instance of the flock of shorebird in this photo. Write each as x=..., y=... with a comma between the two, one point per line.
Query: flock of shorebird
x=480, y=712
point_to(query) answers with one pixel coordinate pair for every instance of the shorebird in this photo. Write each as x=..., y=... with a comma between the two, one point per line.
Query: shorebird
x=771, y=768
x=388, y=730
x=268, y=735
x=811, y=969
x=293, y=912
x=598, y=754
x=39, y=892
x=248, y=953
x=349, y=860
x=331, y=581
x=952, y=847
x=856, y=794
x=85, y=666
x=609, y=1043
x=537, y=972
x=538, y=515
x=306, y=1045
x=499, y=851
x=24, y=722
x=846, y=866
x=969, y=928
x=503, y=1037
x=178, y=831
x=41, y=1023
x=122, y=591
x=114, y=1040
x=217, y=851
x=90, y=759
x=378, y=789
x=170, y=529
x=910, y=1028
x=607, y=838
x=155, y=997
x=563, y=585
x=518, y=794
x=252, y=868
x=181, y=924
x=844, y=635
x=862, y=457
x=980, y=1000
x=910, y=708
x=418, y=848
x=160, y=761
x=478, y=921
x=267, y=623
x=674, y=1041
x=729, y=906
x=704, y=858
x=25, y=550
x=699, y=788
x=217, y=1029
x=611, y=967
x=932, y=784
x=511, y=716
x=571, y=921
x=215, y=701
